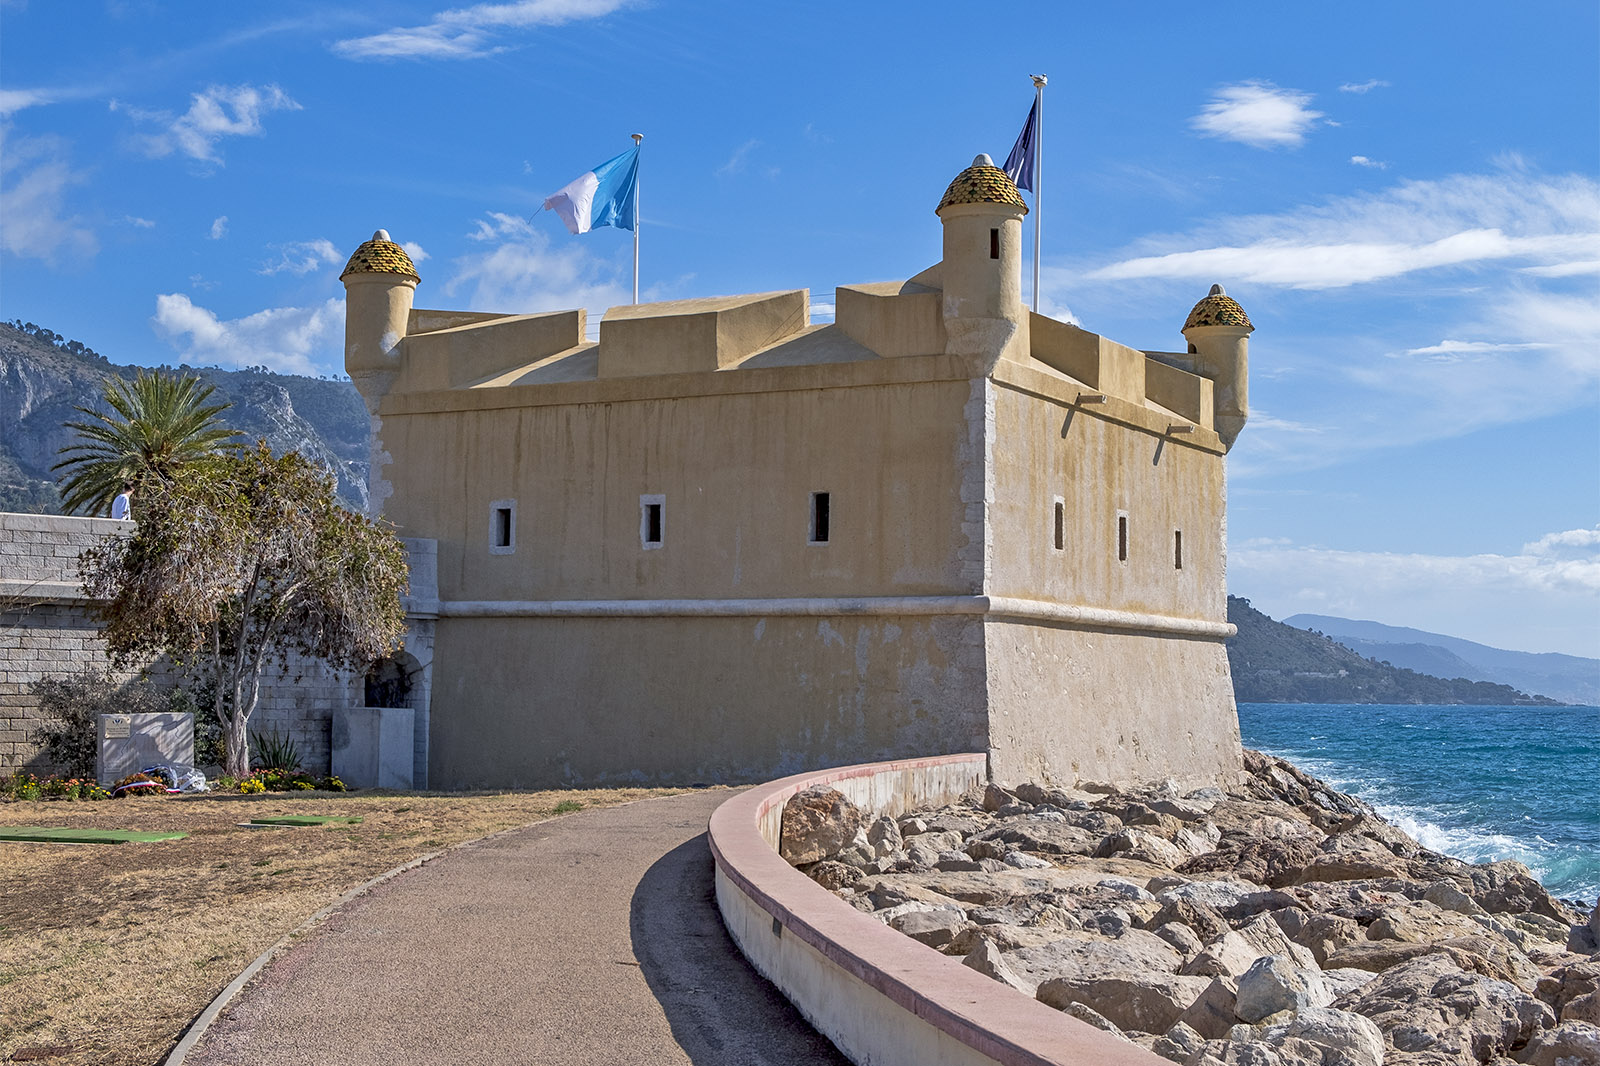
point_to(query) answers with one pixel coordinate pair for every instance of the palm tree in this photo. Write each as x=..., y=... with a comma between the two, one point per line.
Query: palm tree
x=158, y=422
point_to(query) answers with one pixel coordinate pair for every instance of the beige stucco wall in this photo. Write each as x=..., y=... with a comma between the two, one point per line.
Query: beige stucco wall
x=554, y=701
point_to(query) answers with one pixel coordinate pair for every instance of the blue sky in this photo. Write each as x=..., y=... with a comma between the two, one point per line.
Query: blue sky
x=1404, y=197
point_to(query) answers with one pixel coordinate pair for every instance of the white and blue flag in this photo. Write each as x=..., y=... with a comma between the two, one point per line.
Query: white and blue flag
x=1024, y=155
x=605, y=196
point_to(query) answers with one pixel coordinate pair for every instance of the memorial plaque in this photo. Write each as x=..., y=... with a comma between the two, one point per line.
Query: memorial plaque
x=117, y=725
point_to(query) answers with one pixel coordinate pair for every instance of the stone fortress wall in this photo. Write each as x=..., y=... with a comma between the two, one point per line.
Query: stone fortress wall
x=48, y=630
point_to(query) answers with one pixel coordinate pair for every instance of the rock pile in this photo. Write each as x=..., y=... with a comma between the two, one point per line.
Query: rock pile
x=1282, y=923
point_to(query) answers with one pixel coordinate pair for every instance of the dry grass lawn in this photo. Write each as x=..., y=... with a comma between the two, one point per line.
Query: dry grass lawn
x=107, y=952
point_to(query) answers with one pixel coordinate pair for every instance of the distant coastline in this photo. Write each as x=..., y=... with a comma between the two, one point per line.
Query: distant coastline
x=1272, y=662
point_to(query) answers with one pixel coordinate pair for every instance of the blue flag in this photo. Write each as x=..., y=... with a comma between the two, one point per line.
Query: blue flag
x=1024, y=155
x=605, y=196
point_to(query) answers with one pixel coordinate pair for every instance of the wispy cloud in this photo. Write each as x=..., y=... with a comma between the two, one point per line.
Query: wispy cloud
x=14, y=100
x=302, y=257
x=1417, y=225
x=471, y=32
x=524, y=273
x=220, y=111
x=294, y=340
x=1363, y=161
x=1257, y=113
x=739, y=162
x=34, y=178
x=1363, y=87
x=1541, y=598
x=219, y=227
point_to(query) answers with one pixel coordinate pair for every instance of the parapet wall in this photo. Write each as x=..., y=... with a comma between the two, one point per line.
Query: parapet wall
x=48, y=630
x=880, y=996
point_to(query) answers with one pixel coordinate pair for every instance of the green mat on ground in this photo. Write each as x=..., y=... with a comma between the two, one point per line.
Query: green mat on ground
x=303, y=819
x=45, y=834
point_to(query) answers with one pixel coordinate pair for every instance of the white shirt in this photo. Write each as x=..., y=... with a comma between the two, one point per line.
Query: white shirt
x=121, y=506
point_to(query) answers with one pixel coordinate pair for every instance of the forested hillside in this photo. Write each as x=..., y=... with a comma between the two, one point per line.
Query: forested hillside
x=44, y=376
x=1276, y=663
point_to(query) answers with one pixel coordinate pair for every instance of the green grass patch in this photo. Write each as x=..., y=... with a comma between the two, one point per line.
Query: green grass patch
x=48, y=835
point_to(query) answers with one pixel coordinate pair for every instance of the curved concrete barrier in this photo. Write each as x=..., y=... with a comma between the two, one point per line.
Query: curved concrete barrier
x=881, y=997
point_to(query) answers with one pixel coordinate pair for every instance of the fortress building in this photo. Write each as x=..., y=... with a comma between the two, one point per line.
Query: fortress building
x=723, y=544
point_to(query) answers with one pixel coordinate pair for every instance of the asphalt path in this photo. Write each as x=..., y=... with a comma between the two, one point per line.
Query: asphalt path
x=588, y=939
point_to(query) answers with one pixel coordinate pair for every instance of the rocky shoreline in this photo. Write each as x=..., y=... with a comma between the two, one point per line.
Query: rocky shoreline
x=1281, y=923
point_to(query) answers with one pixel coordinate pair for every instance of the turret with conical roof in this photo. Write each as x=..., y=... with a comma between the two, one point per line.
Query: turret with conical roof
x=1218, y=332
x=379, y=283
x=982, y=269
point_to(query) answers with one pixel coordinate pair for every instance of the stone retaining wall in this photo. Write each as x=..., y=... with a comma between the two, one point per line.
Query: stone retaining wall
x=47, y=629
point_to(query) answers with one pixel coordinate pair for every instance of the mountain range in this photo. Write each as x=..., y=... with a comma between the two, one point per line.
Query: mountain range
x=1571, y=678
x=44, y=377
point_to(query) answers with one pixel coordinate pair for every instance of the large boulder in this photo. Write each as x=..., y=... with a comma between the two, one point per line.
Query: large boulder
x=1146, y=1002
x=1573, y=991
x=989, y=960
x=1342, y=1037
x=1569, y=1044
x=1278, y=983
x=1212, y=1013
x=818, y=823
x=1430, y=1005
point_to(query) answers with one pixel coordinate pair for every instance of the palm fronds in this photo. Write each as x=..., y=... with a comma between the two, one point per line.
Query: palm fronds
x=157, y=423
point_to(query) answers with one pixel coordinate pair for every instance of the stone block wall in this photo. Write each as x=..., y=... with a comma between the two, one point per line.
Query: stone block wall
x=48, y=629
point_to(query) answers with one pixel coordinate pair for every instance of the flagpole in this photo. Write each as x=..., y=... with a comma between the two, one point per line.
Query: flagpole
x=1039, y=82
x=638, y=139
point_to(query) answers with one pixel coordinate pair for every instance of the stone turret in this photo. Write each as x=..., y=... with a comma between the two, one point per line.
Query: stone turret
x=1218, y=332
x=379, y=283
x=982, y=269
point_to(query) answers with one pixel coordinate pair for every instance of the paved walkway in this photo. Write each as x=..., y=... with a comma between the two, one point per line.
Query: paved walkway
x=589, y=939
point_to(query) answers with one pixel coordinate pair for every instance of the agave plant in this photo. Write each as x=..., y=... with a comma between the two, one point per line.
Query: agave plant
x=157, y=423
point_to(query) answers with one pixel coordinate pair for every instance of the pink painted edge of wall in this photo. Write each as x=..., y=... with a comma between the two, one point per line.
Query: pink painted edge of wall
x=981, y=1013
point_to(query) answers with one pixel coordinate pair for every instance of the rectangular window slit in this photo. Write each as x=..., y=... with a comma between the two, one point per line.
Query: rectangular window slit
x=819, y=518
x=1177, y=549
x=994, y=244
x=1122, y=538
x=1061, y=525
x=652, y=523
x=502, y=527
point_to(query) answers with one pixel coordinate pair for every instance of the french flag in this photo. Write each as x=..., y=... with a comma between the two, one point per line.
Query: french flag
x=605, y=196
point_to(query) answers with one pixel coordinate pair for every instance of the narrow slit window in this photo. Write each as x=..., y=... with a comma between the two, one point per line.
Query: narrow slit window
x=994, y=244
x=502, y=527
x=820, y=508
x=1061, y=525
x=1122, y=538
x=652, y=521
x=1177, y=549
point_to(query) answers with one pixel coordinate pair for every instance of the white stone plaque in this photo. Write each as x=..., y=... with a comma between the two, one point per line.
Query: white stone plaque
x=118, y=725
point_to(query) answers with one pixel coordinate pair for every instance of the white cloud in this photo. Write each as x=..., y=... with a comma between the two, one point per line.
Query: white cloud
x=1363, y=87
x=135, y=220
x=739, y=162
x=34, y=177
x=219, y=227
x=1542, y=598
x=14, y=100
x=302, y=257
x=523, y=273
x=220, y=111
x=470, y=32
x=294, y=340
x=1257, y=113
x=414, y=250
x=1565, y=270
x=1417, y=225
x=1363, y=161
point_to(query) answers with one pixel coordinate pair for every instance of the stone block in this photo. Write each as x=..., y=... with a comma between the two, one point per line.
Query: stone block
x=130, y=742
x=374, y=747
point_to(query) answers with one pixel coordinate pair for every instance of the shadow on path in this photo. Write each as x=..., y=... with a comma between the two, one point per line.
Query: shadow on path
x=721, y=1011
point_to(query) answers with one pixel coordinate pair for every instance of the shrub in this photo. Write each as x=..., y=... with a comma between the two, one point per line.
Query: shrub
x=275, y=751
x=23, y=786
x=70, y=709
x=332, y=784
x=251, y=785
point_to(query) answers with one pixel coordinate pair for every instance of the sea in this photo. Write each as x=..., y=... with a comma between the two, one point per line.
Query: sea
x=1479, y=783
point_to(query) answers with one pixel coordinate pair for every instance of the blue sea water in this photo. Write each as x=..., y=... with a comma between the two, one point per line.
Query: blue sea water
x=1479, y=783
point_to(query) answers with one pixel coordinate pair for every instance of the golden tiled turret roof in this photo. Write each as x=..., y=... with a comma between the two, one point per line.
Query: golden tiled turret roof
x=380, y=256
x=1218, y=309
x=982, y=183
